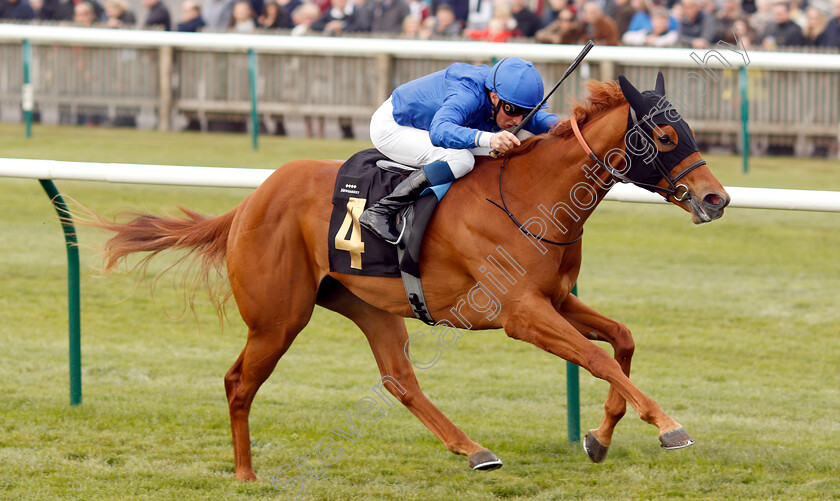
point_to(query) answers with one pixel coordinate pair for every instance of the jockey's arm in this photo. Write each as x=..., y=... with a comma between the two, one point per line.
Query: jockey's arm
x=542, y=122
x=447, y=129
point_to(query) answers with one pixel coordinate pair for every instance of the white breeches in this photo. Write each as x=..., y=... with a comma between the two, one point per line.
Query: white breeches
x=411, y=146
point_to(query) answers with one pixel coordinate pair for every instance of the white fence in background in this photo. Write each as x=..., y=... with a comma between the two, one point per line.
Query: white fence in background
x=753, y=198
x=161, y=78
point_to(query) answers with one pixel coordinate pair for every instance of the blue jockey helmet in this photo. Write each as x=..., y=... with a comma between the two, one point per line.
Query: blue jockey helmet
x=516, y=81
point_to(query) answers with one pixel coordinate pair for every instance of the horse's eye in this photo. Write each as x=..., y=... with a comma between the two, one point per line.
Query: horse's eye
x=665, y=139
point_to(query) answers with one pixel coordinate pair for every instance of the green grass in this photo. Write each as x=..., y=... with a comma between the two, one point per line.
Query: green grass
x=736, y=325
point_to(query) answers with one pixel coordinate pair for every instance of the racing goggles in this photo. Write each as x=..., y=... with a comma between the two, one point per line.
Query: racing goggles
x=513, y=110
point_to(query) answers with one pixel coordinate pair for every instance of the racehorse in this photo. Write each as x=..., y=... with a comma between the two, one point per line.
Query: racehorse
x=274, y=245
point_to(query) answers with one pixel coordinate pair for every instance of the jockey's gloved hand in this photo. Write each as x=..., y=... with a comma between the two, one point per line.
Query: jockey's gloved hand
x=503, y=141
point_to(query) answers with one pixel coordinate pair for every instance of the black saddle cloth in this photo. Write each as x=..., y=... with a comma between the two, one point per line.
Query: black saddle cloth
x=353, y=249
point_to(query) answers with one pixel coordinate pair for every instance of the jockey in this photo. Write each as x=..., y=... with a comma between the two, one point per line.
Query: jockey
x=433, y=123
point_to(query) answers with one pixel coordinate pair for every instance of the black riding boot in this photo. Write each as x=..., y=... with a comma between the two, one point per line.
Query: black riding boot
x=380, y=218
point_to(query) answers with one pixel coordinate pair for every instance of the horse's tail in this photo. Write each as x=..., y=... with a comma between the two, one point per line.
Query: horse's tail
x=207, y=236
x=204, y=238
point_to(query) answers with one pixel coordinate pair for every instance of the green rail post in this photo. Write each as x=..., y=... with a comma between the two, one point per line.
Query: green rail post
x=745, y=118
x=573, y=395
x=252, y=80
x=27, y=97
x=73, y=293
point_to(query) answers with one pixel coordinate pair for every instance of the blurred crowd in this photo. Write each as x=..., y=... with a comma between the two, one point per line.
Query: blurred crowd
x=660, y=23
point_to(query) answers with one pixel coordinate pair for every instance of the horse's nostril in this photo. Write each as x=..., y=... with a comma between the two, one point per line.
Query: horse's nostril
x=714, y=200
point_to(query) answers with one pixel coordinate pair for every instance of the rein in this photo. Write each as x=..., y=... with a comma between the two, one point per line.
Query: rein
x=680, y=192
x=513, y=218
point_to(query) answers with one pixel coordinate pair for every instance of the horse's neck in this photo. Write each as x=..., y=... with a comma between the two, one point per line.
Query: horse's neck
x=562, y=182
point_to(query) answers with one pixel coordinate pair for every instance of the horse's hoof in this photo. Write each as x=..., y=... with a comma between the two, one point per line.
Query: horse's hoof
x=676, y=439
x=594, y=449
x=485, y=460
x=247, y=476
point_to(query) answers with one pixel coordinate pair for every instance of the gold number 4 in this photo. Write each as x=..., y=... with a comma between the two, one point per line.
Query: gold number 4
x=353, y=244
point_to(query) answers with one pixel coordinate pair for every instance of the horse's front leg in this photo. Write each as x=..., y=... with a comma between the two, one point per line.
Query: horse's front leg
x=595, y=325
x=536, y=321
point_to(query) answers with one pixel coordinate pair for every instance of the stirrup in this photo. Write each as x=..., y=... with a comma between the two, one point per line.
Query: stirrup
x=402, y=234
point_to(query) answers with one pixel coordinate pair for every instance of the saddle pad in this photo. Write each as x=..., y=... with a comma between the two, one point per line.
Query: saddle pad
x=352, y=248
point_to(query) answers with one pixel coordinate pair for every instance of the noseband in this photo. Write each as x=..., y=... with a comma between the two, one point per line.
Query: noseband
x=680, y=192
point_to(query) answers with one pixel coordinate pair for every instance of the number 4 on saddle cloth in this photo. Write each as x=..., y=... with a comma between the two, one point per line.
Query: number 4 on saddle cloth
x=364, y=178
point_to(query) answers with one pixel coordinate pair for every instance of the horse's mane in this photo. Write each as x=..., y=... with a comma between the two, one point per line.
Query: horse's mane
x=603, y=96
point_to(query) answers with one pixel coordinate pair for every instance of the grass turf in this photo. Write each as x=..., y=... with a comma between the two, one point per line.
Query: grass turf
x=735, y=324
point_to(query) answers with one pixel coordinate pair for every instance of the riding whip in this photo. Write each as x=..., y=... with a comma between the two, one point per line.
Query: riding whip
x=569, y=70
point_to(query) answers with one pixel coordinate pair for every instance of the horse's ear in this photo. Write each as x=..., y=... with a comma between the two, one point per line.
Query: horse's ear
x=660, y=84
x=633, y=96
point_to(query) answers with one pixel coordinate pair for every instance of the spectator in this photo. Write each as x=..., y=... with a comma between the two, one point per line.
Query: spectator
x=288, y=7
x=388, y=16
x=19, y=10
x=527, y=22
x=419, y=9
x=340, y=18
x=697, y=28
x=443, y=23
x=729, y=12
x=598, y=27
x=118, y=15
x=832, y=31
x=479, y=14
x=565, y=30
x=782, y=32
x=746, y=34
x=66, y=11
x=45, y=10
x=242, y=20
x=660, y=34
x=412, y=27
x=83, y=15
x=257, y=7
x=551, y=12
x=624, y=12
x=217, y=13
x=497, y=30
x=459, y=7
x=158, y=15
x=303, y=17
x=324, y=5
x=762, y=17
x=816, y=32
x=797, y=13
x=191, y=20
x=274, y=17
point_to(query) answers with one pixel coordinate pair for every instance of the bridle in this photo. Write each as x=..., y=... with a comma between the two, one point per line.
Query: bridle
x=680, y=192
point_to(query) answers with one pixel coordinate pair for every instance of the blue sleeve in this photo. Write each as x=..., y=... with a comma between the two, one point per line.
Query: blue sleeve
x=447, y=129
x=542, y=122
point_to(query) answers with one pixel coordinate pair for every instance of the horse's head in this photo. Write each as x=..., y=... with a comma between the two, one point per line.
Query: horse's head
x=663, y=155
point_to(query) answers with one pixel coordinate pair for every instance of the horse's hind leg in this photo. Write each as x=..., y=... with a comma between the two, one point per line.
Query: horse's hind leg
x=595, y=325
x=256, y=362
x=387, y=336
x=274, y=318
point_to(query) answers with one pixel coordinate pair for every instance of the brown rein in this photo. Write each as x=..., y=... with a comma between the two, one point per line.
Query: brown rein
x=513, y=218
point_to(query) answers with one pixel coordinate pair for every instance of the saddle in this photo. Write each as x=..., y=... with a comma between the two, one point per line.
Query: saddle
x=362, y=180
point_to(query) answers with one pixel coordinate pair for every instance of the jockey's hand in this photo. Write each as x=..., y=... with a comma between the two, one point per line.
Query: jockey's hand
x=503, y=141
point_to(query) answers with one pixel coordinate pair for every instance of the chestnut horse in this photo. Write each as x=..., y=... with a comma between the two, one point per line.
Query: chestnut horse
x=275, y=246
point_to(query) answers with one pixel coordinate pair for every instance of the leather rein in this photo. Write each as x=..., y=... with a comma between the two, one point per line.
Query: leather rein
x=680, y=192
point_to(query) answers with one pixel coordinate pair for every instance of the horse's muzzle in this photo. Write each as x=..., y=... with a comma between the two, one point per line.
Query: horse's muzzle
x=709, y=208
